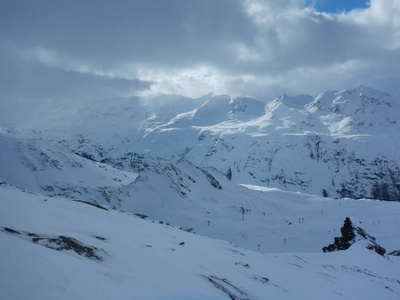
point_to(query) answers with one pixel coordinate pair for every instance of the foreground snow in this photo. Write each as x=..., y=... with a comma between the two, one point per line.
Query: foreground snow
x=141, y=259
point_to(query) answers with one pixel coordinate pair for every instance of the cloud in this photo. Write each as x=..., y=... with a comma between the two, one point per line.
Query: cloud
x=261, y=48
x=295, y=49
x=44, y=74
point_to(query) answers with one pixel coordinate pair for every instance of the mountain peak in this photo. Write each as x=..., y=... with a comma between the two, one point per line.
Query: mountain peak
x=365, y=90
x=297, y=102
x=350, y=101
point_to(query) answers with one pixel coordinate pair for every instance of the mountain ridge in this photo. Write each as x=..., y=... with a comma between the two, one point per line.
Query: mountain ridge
x=330, y=145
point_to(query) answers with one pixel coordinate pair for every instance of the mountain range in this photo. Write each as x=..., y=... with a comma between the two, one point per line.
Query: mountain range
x=327, y=145
x=273, y=177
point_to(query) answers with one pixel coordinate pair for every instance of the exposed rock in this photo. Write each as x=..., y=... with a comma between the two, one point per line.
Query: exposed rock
x=350, y=235
x=92, y=204
x=395, y=253
x=214, y=182
x=11, y=230
x=227, y=287
x=142, y=216
x=68, y=243
x=59, y=243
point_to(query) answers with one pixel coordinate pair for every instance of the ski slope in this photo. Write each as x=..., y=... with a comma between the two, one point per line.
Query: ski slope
x=142, y=259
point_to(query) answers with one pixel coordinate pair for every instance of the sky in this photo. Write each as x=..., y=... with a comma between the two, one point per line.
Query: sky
x=77, y=50
x=337, y=6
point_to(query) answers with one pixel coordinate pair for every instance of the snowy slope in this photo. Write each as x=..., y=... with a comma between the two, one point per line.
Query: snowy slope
x=201, y=200
x=141, y=259
x=41, y=167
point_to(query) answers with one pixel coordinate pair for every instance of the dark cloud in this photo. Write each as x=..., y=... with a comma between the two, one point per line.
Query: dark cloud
x=158, y=32
x=32, y=78
x=87, y=49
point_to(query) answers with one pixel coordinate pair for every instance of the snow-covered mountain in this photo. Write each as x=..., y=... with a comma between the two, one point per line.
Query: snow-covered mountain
x=338, y=144
x=260, y=175
x=197, y=199
x=40, y=167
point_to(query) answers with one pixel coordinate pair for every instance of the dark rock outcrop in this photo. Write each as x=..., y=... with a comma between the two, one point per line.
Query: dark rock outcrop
x=351, y=234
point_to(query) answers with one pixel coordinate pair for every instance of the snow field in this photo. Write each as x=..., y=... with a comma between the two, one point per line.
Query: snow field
x=144, y=260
